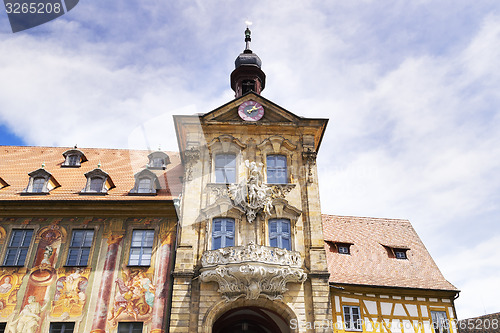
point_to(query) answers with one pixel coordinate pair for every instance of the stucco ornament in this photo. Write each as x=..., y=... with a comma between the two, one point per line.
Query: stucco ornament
x=252, y=271
x=252, y=195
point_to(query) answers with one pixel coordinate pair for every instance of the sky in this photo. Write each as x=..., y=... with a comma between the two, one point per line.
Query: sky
x=410, y=88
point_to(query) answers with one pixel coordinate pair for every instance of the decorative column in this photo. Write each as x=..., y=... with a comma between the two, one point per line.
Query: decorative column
x=101, y=310
x=162, y=285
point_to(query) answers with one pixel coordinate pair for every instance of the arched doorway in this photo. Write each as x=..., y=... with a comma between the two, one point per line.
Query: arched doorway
x=250, y=319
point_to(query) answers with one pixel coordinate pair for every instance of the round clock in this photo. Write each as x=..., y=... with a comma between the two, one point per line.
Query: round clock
x=250, y=111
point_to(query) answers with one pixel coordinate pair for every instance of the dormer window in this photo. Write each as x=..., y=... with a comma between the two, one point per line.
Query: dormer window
x=400, y=253
x=98, y=182
x=158, y=160
x=146, y=182
x=396, y=251
x=339, y=247
x=3, y=183
x=38, y=185
x=73, y=158
x=40, y=182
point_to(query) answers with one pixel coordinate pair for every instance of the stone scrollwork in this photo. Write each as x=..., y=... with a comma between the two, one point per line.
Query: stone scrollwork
x=252, y=271
x=191, y=156
x=309, y=156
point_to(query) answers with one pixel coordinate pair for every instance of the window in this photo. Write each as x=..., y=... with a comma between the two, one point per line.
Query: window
x=279, y=233
x=141, y=247
x=96, y=184
x=17, y=250
x=225, y=168
x=222, y=233
x=129, y=327
x=158, y=160
x=352, y=318
x=144, y=185
x=440, y=322
x=2, y=327
x=79, y=249
x=62, y=327
x=400, y=254
x=38, y=184
x=73, y=160
x=276, y=169
x=343, y=249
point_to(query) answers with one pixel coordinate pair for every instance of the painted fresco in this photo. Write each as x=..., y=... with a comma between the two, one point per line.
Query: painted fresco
x=134, y=296
x=29, y=319
x=70, y=294
x=10, y=282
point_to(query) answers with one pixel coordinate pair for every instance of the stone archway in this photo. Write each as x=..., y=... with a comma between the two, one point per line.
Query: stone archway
x=249, y=316
x=250, y=320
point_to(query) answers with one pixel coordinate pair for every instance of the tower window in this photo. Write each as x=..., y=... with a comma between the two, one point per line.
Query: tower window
x=225, y=168
x=276, y=169
x=79, y=249
x=279, y=233
x=141, y=247
x=130, y=327
x=17, y=250
x=65, y=327
x=352, y=318
x=222, y=233
x=247, y=86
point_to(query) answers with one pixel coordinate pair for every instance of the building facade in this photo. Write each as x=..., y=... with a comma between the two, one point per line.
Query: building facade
x=225, y=236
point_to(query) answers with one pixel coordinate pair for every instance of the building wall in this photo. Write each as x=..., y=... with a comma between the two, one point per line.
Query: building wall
x=391, y=310
x=97, y=296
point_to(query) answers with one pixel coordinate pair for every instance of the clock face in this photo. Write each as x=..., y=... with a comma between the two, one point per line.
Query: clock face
x=251, y=111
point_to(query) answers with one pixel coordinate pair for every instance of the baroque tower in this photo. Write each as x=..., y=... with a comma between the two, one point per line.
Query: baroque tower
x=250, y=215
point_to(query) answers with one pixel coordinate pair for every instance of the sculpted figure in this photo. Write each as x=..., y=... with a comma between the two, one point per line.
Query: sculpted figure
x=47, y=254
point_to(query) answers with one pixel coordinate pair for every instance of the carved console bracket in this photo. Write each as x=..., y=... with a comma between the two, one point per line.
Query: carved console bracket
x=309, y=156
x=251, y=271
x=191, y=157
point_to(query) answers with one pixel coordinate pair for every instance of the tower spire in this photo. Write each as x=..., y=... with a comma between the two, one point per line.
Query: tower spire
x=247, y=76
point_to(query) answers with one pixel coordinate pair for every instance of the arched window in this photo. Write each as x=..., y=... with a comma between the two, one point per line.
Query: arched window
x=279, y=233
x=38, y=184
x=276, y=169
x=225, y=168
x=222, y=233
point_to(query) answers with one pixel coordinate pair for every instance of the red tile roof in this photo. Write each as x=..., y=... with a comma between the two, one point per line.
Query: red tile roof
x=371, y=263
x=120, y=164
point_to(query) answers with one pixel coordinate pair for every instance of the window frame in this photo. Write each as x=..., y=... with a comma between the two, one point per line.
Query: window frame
x=107, y=183
x=141, y=248
x=225, y=167
x=79, y=264
x=154, y=183
x=437, y=322
x=223, y=234
x=18, y=248
x=131, y=328
x=155, y=156
x=63, y=328
x=343, y=246
x=69, y=155
x=279, y=234
x=355, y=325
x=276, y=169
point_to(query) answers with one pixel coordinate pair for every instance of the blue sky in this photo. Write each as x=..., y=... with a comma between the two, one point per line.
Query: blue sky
x=411, y=90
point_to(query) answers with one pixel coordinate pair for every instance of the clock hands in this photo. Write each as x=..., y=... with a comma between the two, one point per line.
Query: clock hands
x=252, y=109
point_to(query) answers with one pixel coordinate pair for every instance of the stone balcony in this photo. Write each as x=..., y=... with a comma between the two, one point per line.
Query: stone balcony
x=251, y=271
